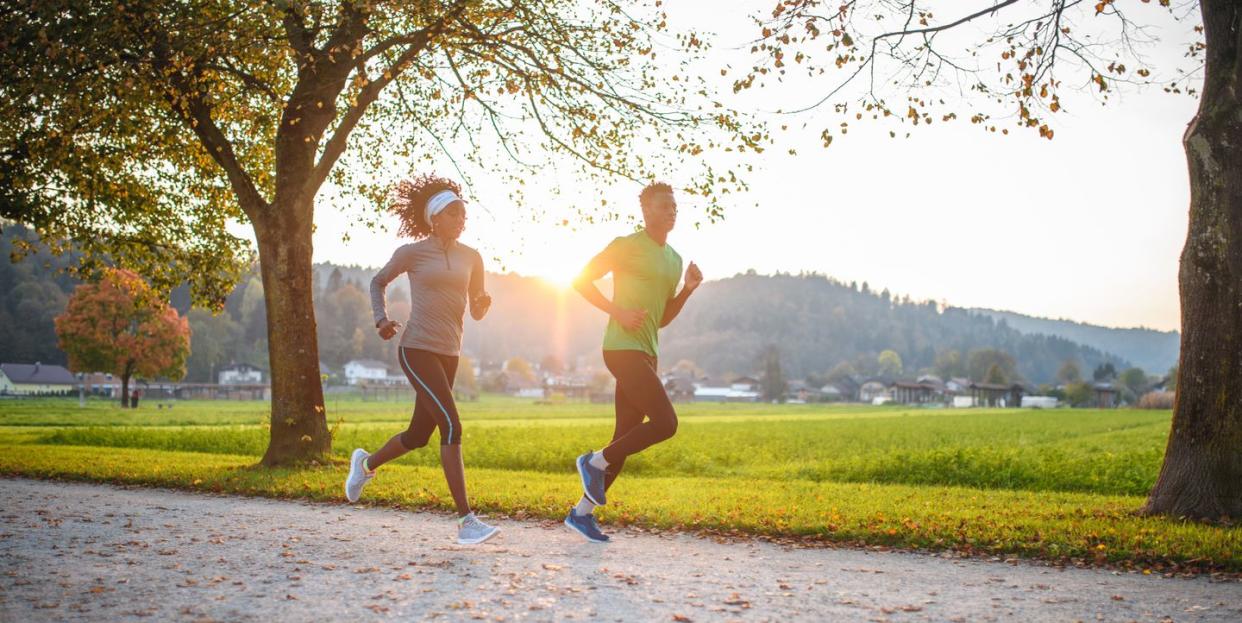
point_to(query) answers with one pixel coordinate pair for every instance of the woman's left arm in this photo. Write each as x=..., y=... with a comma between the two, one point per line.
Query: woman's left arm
x=480, y=302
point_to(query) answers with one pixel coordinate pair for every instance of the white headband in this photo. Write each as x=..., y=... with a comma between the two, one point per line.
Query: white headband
x=439, y=201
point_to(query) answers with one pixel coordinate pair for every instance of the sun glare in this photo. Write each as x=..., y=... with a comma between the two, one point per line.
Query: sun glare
x=559, y=276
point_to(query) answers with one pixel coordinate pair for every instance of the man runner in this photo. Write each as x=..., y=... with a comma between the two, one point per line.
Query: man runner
x=645, y=271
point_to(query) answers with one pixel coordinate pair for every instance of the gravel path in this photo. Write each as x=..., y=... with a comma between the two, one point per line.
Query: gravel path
x=77, y=552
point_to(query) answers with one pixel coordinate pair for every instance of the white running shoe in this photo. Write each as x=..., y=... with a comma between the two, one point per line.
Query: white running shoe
x=358, y=475
x=474, y=531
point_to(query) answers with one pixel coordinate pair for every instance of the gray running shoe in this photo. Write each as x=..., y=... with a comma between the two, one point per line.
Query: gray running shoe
x=472, y=530
x=358, y=475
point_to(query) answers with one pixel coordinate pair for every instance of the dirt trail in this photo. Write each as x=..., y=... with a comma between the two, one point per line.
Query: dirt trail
x=92, y=552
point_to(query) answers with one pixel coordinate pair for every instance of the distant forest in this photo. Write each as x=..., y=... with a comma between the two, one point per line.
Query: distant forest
x=1154, y=351
x=815, y=323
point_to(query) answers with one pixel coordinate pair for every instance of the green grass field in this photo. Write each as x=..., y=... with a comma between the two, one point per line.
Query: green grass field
x=1057, y=484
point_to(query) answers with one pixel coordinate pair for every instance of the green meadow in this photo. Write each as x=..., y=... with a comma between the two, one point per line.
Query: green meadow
x=1058, y=484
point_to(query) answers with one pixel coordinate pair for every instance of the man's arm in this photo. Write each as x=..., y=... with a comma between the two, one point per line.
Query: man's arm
x=584, y=283
x=694, y=277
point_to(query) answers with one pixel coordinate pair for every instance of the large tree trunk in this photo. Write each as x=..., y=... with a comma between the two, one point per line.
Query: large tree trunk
x=1202, y=472
x=299, y=431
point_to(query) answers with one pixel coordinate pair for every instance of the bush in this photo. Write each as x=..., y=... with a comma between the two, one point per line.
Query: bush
x=1156, y=400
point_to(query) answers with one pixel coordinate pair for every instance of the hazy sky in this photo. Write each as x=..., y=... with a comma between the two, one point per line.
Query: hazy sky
x=1088, y=226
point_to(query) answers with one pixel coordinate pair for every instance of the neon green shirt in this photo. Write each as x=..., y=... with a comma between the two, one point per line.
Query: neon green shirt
x=644, y=276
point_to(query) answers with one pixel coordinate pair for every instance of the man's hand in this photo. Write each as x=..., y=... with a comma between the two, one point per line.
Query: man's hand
x=694, y=277
x=387, y=329
x=630, y=319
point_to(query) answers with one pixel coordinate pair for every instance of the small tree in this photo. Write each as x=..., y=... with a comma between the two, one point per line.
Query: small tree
x=995, y=375
x=120, y=326
x=890, y=362
x=496, y=381
x=1078, y=394
x=949, y=364
x=1135, y=379
x=1069, y=372
x=1104, y=372
x=520, y=368
x=840, y=371
x=773, y=383
x=981, y=361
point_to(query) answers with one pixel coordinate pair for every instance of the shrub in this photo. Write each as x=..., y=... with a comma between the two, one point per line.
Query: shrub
x=1156, y=400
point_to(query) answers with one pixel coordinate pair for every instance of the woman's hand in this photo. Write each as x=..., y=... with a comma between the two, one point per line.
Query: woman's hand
x=630, y=319
x=387, y=329
x=480, y=304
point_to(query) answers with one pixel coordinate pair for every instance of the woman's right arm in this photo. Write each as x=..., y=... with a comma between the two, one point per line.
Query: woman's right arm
x=379, y=283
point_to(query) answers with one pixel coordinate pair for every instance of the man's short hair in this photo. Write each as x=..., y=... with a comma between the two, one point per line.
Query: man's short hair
x=651, y=191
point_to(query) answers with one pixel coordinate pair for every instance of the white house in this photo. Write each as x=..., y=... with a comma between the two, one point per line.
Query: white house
x=240, y=374
x=724, y=394
x=1039, y=402
x=958, y=385
x=366, y=371
x=871, y=390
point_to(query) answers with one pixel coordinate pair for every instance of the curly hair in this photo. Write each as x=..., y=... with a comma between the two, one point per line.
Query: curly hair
x=408, y=200
x=653, y=189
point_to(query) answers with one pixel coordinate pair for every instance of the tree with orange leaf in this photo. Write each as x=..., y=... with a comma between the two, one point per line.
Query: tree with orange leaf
x=120, y=325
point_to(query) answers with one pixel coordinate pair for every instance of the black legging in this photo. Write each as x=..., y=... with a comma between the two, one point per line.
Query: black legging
x=639, y=393
x=432, y=376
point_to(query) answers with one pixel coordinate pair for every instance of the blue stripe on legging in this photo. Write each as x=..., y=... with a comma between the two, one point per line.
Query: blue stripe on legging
x=410, y=370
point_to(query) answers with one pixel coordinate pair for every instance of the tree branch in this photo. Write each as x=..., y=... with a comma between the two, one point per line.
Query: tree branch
x=870, y=61
x=299, y=38
x=335, y=146
x=189, y=103
x=246, y=78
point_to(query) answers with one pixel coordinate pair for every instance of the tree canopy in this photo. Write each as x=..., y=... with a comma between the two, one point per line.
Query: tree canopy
x=141, y=129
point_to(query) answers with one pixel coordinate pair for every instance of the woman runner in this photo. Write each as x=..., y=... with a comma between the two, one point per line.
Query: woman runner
x=444, y=275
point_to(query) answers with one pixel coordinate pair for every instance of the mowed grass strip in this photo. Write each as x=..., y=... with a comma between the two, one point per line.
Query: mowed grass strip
x=1110, y=452
x=352, y=409
x=1054, y=526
